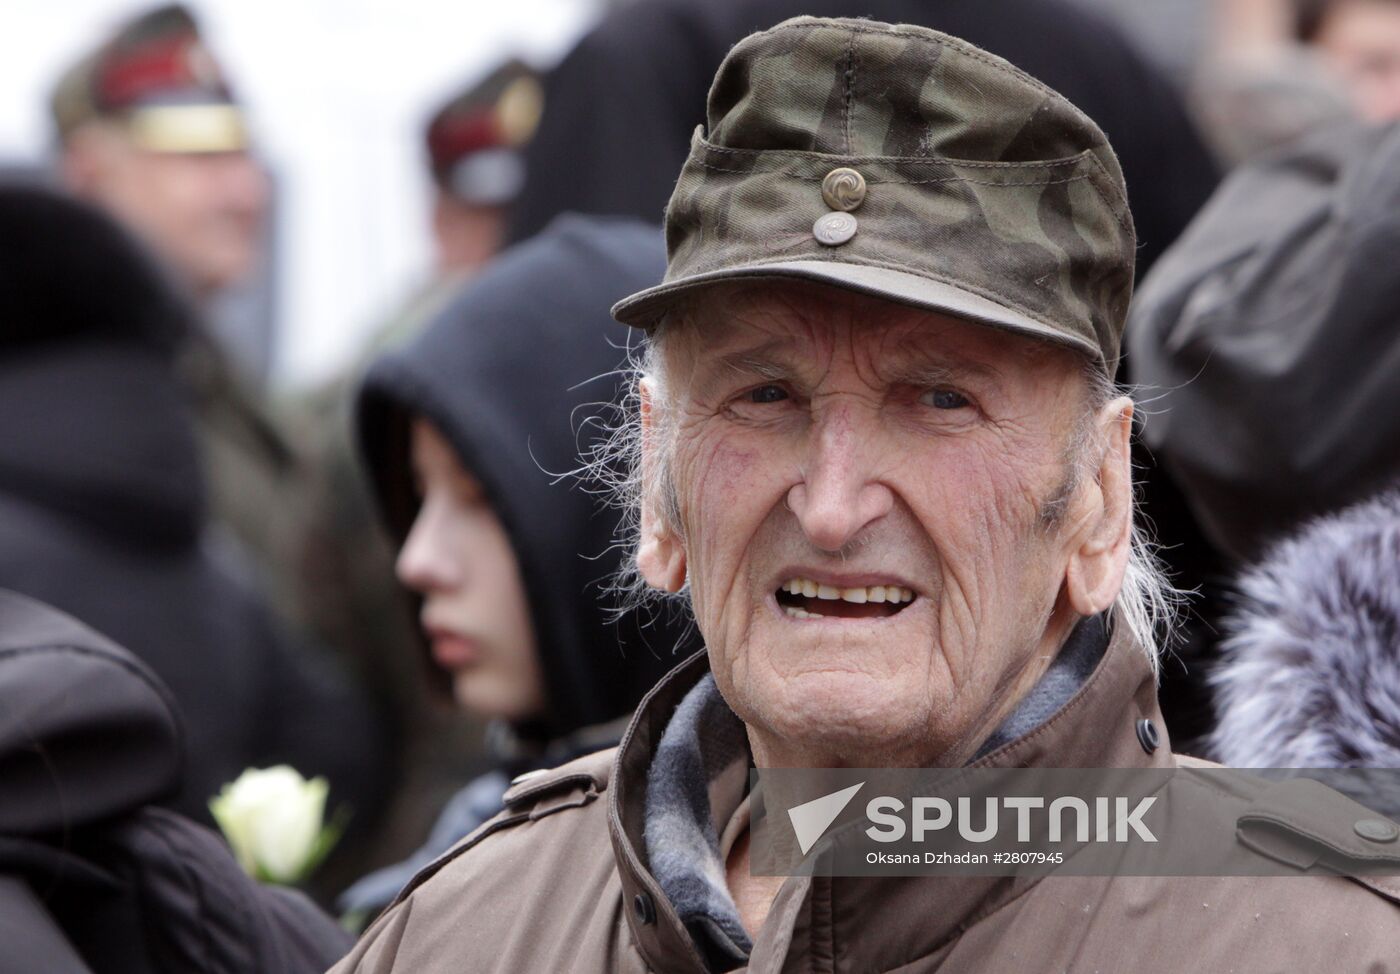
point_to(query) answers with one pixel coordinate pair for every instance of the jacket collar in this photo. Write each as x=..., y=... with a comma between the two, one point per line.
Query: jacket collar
x=1096, y=727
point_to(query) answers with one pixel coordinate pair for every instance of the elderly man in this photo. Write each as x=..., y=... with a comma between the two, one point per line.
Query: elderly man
x=881, y=458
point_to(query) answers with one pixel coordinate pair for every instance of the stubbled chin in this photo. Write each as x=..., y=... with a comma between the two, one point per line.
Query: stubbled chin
x=836, y=713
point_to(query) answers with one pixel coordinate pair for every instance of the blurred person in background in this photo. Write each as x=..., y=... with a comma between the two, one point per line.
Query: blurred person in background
x=1280, y=69
x=475, y=147
x=103, y=507
x=460, y=430
x=345, y=570
x=149, y=130
x=1359, y=42
x=1266, y=343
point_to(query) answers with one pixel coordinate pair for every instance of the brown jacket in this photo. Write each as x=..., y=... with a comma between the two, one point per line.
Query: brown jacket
x=541, y=887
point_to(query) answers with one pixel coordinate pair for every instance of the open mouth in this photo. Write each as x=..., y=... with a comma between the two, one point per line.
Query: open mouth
x=803, y=598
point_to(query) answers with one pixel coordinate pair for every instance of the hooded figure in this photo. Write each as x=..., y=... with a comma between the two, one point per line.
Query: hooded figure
x=103, y=513
x=509, y=384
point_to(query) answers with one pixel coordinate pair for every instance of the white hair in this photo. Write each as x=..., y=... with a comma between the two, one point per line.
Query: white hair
x=1147, y=603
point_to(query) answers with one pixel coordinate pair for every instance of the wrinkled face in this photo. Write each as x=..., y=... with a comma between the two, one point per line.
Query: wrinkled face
x=875, y=517
x=1360, y=39
x=475, y=611
x=201, y=212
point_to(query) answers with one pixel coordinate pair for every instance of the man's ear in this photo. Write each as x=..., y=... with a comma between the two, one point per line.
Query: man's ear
x=660, y=554
x=1104, y=539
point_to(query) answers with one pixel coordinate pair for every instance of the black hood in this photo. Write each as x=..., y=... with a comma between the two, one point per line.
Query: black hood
x=510, y=373
x=98, y=431
x=86, y=729
x=69, y=270
x=92, y=420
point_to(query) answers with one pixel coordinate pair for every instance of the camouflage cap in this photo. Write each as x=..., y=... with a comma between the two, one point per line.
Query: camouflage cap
x=158, y=80
x=903, y=163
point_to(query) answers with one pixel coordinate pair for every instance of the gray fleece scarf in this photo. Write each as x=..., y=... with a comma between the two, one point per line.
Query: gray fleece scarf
x=705, y=741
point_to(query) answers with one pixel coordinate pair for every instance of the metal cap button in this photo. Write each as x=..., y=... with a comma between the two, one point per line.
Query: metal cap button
x=1377, y=830
x=843, y=189
x=644, y=908
x=1147, y=735
x=834, y=229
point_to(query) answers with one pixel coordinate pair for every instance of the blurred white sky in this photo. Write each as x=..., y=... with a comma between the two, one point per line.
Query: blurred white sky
x=338, y=91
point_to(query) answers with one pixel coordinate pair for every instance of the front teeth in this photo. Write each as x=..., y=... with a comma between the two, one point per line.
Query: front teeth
x=871, y=593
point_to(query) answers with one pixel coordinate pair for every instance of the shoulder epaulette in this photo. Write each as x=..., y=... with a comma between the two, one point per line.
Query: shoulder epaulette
x=571, y=785
x=1305, y=824
x=531, y=796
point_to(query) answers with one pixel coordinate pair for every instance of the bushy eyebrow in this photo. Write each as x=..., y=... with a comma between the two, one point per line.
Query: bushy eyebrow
x=760, y=361
x=770, y=361
x=937, y=373
x=756, y=365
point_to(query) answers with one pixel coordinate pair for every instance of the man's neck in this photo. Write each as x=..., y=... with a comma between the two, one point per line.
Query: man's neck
x=753, y=895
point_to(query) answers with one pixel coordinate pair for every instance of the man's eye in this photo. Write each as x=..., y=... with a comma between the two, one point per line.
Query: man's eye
x=946, y=399
x=764, y=394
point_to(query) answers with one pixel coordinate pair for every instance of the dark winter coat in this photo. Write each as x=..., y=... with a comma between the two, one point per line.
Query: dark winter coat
x=103, y=512
x=101, y=515
x=93, y=876
x=1266, y=340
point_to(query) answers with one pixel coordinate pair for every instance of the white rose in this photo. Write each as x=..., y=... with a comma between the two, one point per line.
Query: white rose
x=273, y=820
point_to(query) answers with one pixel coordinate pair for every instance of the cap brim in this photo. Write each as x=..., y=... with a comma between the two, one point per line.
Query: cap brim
x=644, y=309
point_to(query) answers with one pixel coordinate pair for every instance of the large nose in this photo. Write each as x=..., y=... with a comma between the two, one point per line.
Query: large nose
x=425, y=564
x=838, y=497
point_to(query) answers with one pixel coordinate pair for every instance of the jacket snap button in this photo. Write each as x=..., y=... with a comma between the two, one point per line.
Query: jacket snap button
x=1147, y=735
x=1377, y=830
x=645, y=910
